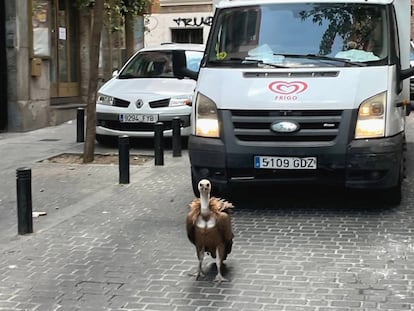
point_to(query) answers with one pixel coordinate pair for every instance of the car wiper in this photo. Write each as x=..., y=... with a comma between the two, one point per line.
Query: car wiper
x=128, y=76
x=322, y=57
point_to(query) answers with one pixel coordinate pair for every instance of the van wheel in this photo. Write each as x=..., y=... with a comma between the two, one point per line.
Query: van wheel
x=194, y=183
x=215, y=191
x=393, y=196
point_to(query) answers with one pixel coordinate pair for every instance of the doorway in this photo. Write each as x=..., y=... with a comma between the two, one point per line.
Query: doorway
x=3, y=68
x=64, y=68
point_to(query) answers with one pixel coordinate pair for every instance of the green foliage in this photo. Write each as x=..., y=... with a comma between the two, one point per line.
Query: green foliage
x=121, y=7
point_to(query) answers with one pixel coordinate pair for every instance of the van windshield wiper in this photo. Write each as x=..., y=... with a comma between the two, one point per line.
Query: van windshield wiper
x=322, y=57
x=243, y=61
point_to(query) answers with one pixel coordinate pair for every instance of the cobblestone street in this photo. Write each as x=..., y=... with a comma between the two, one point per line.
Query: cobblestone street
x=124, y=247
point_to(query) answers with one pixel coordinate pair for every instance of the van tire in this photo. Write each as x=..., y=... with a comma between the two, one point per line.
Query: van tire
x=393, y=196
x=216, y=190
x=194, y=183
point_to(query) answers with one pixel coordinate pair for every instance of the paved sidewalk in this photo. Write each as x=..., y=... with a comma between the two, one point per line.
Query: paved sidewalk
x=55, y=187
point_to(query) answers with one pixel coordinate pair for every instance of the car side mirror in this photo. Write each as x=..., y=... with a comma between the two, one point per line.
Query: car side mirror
x=115, y=73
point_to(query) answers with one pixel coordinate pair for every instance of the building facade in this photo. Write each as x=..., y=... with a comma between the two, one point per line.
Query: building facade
x=181, y=21
x=42, y=52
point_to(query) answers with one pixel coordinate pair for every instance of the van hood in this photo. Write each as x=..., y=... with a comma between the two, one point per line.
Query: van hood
x=147, y=89
x=293, y=88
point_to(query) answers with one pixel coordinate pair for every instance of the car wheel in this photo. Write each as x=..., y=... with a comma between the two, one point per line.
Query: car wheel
x=105, y=140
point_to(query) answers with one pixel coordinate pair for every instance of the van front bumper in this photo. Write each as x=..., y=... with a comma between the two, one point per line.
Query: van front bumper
x=368, y=163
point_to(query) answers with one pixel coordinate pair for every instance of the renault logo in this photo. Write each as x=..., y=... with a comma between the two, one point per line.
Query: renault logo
x=139, y=103
x=284, y=127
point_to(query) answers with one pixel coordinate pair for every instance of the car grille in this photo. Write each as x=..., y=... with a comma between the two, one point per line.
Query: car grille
x=120, y=102
x=138, y=127
x=159, y=103
x=315, y=125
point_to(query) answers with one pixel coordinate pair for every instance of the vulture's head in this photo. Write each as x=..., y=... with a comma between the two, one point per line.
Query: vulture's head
x=204, y=186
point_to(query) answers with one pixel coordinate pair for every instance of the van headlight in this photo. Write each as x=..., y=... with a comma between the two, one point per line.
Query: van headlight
x=371, y=117
x=206, y=120
x=180, y=101
x=104, y=99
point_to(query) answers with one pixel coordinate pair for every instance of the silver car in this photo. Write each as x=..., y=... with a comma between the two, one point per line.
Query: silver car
x=146, y=91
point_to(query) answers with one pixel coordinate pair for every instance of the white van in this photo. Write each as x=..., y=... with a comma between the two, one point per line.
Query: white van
x=310, y=92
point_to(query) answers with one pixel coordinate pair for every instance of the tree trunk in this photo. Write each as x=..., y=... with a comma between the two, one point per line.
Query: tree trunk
x=129, y=35
x=85, y=35
x=89, y=147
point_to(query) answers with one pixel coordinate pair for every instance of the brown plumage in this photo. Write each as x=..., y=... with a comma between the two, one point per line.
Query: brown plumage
x=209, y=228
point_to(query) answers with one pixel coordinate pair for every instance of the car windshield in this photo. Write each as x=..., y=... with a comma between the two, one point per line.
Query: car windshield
x=157, y=64
x=300, y=34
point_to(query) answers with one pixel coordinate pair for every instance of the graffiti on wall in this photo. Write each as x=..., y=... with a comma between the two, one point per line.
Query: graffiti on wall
x=193, y=22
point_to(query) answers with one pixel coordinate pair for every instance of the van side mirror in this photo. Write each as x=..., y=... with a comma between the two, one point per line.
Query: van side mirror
x=406, y=73
x=180, y=69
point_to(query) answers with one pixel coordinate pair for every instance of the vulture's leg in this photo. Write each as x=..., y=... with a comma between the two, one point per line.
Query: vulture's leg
x=200, y=271
x=219, y=278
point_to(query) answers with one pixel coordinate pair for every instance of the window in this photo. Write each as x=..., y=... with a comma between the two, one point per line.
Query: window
x=187, y=35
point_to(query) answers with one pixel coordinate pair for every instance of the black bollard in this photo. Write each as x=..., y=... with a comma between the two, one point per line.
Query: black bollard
x=159, y=143
x=123, y=156
x=24, y=200
x=80, y=125
x=176, y=139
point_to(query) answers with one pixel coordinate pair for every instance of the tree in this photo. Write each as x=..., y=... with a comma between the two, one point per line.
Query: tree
x=89, y=146
x=127, y=9
x=344, y=21
x=130, y=10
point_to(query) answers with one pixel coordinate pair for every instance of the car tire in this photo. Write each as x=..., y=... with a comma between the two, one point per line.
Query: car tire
x=105, y=140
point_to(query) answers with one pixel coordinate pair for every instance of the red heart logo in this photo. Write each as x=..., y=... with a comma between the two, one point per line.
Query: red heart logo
x=286, y=88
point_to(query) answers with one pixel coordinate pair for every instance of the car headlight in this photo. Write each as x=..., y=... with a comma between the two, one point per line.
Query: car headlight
x=104, y=99
x=371, y=117
x=206, y=120
x=180, y=101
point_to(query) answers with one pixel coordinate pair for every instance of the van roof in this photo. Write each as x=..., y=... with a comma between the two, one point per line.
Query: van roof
x=235, y=3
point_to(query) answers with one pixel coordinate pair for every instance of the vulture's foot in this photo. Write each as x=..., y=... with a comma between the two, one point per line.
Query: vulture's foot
x=219, y=278
x=200, y=274
x=197, y=274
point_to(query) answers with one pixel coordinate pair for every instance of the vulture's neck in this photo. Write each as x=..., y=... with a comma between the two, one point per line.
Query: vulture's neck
x=204, y=202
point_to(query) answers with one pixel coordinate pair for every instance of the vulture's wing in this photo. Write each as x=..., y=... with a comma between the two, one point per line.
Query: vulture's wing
x=224, y=205
x=190, y=228
x=192, y=218
x=224, y=226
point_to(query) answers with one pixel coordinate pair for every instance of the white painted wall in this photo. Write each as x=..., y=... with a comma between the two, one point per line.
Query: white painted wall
x=159, y=25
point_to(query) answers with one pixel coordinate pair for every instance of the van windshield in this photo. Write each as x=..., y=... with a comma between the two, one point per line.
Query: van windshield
x=300, y=35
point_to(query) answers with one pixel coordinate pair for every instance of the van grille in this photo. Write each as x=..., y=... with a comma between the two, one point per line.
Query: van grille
x=315, y=125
